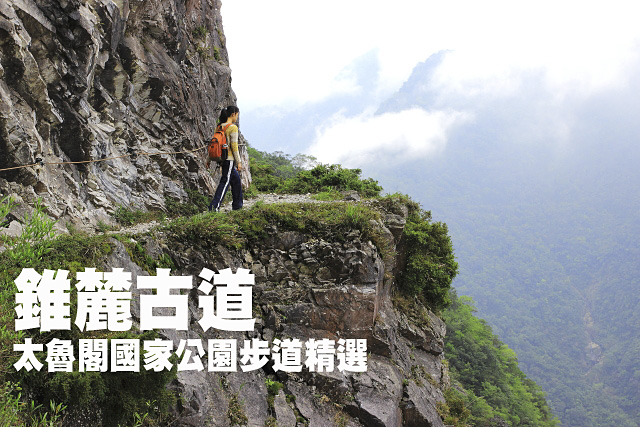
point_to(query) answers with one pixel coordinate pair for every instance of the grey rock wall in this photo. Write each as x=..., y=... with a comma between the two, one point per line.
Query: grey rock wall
x=314, y=287
x=85, y=80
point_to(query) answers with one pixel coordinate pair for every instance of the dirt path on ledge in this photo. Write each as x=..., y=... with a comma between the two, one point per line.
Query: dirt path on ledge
x=248, y=203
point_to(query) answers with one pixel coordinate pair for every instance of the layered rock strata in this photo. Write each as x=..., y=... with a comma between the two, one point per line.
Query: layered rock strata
x=309, y=287
x=89, y=80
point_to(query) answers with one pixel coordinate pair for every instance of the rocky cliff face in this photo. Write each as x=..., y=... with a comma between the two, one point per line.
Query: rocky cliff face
x=87, y=80
x=312, y=286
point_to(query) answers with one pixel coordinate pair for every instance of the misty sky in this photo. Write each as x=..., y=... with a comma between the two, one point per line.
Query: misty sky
x=516, y=122
x=322, y=70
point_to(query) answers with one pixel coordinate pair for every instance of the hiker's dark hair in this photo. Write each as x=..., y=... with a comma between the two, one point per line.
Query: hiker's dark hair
x=227, y=112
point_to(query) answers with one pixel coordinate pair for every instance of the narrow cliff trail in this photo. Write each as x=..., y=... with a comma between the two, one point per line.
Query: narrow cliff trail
x=268, y=198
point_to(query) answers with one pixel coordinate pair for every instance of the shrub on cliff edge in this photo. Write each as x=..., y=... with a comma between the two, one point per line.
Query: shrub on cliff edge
x=431, y=265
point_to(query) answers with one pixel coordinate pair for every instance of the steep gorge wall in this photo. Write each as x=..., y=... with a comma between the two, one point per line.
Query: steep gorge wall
x=311, y=285
x=84, y=80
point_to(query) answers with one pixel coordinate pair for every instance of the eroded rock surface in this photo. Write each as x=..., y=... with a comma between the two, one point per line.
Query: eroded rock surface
x=87, y=80
x=312, y=287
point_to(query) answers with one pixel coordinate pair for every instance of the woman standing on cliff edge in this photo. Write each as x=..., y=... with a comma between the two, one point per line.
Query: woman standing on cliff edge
x=228, y=120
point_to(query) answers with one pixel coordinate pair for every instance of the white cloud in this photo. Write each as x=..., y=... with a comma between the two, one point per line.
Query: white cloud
x=292, y=52
x=392, y=138
x=577, y=47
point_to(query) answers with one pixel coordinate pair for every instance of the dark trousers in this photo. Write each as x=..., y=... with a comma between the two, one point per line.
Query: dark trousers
x=230, y=178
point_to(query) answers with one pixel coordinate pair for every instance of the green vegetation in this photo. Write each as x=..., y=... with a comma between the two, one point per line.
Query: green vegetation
x=281, y=165
x=68, y=252
x=196, y=203
x=127, y=217
x=327, y=178
x=340, y=419
x=236, y=228
x=6, y=204
x=209, y=228
x=140, y=257
x=200, y=35
x=15, y=412
x=273, y=388
x=120, y=396
x=488, y=370
x=280, y=173
x=547, y=246
x=327, y=196
x=200, y=32
x=335, y=219
x=454, y=411
x=221, y=36
x=551, y=278
x=236, y=412
x=431, y=264
x=36, y=235
x=203, y=51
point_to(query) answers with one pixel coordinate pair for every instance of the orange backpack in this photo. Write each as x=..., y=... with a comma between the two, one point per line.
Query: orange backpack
x=218, y=147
